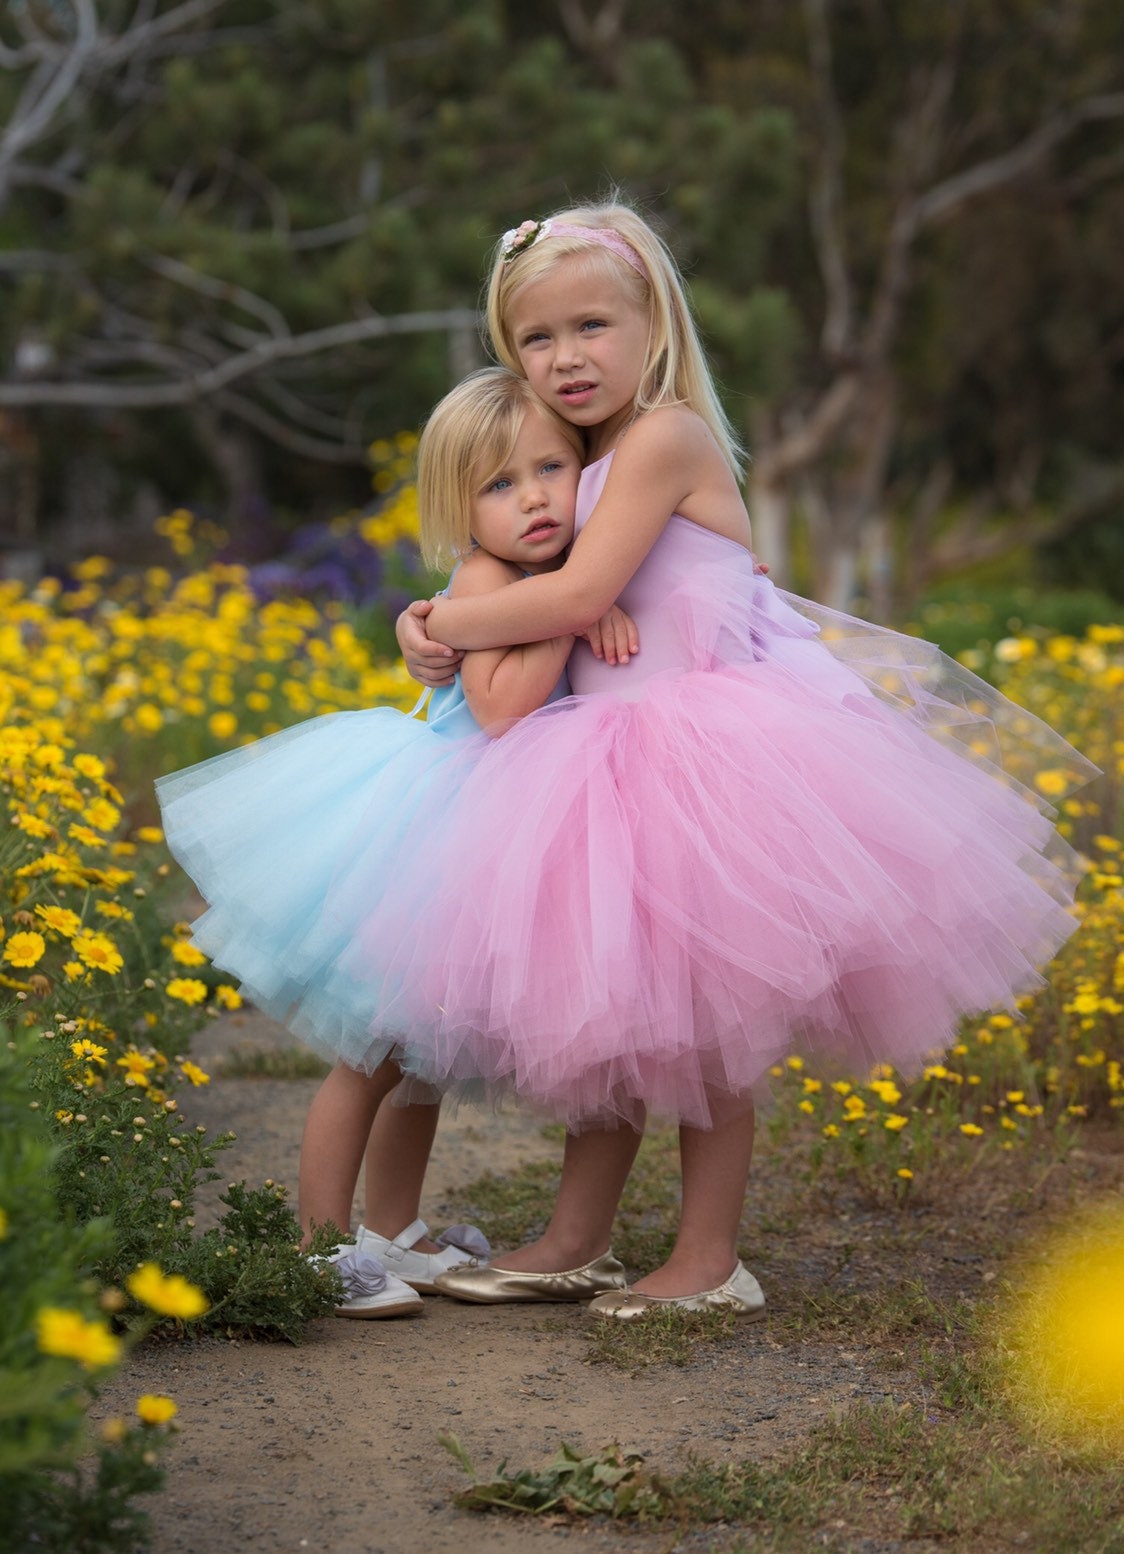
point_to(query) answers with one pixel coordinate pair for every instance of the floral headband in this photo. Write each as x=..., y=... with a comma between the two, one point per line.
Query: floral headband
x=519, y=239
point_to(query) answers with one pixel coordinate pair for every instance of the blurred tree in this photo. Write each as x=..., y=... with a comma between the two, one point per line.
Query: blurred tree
x=220, y=218
x=238, y=238
x=960, y=333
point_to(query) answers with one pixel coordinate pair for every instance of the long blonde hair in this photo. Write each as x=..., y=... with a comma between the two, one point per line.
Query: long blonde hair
x=467, y=439
x=676, y=371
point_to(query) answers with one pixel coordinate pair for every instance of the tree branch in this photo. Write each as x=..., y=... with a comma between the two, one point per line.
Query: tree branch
x=262, y=186
x=593, y=35
x=219, y=291
x=150, y=395
x=61, y=69
x=17, y=59
x=136, y=39
x=303, y=414
x=50, y=86
x=922, y=138
x=946, y=196
x=806, y=441
x=35, y=259
x=335, y=232
x=296, y=442
x=26, y=175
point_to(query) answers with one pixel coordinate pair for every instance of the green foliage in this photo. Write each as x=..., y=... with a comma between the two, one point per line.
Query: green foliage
x=340, y=161
x=260, y=1283
x=607, y=1483
x=514, y=1207
x=76, y=1492
x=622, y=1486
x=128, y=1161
x=124, y=1155
x=86, y=964
x=962, y=616
x=86, y=1509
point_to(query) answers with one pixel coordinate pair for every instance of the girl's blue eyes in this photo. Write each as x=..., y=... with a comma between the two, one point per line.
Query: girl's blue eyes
x=590, y=323
x=502, y=483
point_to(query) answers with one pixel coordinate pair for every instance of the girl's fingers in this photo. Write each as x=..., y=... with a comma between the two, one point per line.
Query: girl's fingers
x=434, y=679
x=628, y=641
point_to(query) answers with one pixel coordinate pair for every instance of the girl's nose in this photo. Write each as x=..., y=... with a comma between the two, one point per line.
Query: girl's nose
x=533, y=496
x=567, y=353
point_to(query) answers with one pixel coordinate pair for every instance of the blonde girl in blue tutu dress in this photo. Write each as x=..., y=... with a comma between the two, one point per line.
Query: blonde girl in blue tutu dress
x=292, y=839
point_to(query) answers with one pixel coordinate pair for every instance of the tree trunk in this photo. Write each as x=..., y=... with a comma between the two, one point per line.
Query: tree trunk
x=840, y=573
x=236, y=459
x=770, y=510
x=877, y=560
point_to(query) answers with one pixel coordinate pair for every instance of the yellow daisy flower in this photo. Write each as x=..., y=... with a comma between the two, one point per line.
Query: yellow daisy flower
x=69, y=1335
x=155, y=1409
x=25, y=949
x=169, y=1294
x=99, y=952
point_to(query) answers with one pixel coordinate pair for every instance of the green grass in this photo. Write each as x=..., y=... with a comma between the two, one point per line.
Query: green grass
x=511, y=1209
x=272, y=1063
x=668, y=1337
x=948, y=1468
x=879, y=1473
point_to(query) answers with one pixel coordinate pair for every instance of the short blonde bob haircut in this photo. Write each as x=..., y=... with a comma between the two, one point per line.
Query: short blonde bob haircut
x=676, y=371
x=466, y=442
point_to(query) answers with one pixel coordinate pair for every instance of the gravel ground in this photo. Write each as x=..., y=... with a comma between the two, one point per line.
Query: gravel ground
x=334, y=1444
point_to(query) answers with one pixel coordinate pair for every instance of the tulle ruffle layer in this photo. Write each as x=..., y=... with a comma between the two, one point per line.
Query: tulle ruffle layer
x=291, y=841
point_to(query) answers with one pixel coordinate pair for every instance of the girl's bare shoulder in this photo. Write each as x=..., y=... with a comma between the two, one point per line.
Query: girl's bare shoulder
x=482, y=573
x=671, y=433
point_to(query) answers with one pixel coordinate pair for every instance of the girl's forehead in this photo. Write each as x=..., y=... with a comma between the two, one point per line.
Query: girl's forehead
x=574, y=284
x=536, y=433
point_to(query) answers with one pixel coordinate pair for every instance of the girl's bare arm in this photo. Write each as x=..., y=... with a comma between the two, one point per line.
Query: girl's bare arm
x=667, y=456
x=503, y=684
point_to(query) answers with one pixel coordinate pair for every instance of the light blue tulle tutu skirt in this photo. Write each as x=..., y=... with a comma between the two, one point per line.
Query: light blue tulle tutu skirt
x=292, y=840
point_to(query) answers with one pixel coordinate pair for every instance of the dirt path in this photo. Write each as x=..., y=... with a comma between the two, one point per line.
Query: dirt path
x=333, y=1445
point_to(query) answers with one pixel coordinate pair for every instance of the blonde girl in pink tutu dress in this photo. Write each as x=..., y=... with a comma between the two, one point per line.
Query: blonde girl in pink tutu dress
x=777, y=828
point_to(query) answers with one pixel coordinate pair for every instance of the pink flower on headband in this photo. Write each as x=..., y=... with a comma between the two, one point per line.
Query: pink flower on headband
x=521, y=237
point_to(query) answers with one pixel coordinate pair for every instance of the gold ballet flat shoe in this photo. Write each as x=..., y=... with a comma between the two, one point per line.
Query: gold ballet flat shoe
x=741, y=1294
x=496, y=1286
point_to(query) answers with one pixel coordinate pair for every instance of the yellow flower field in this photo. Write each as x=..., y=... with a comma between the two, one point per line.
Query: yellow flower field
x=107, y=683
x=155, y=672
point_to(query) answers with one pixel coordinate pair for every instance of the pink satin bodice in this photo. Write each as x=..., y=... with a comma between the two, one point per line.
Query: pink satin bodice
x=681, y=547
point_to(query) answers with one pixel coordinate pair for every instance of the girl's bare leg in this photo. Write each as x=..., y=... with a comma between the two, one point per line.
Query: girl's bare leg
x=397, y=1155
x=335, y=1136
x=715, y=1176
x=595, y=1167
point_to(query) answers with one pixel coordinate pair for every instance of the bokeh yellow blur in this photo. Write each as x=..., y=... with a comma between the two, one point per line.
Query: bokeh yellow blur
x=1064, y=1333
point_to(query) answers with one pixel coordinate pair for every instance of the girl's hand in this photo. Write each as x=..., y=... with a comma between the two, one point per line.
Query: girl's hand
x=760, y=567
x=430, y=663
x=614, y=637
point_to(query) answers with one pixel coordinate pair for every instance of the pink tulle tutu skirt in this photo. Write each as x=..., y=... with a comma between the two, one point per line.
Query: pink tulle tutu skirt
x=816, y=836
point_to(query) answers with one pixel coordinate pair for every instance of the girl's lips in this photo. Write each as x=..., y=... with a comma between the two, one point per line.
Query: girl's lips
x=576, y=393
x=545, y=529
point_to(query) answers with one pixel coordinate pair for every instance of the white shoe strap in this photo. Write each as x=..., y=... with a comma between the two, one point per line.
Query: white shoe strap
x=412, y=1234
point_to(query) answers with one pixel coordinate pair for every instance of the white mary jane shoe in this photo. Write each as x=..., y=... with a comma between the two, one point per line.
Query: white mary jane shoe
x=462, y=1245
x=370, y=1291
